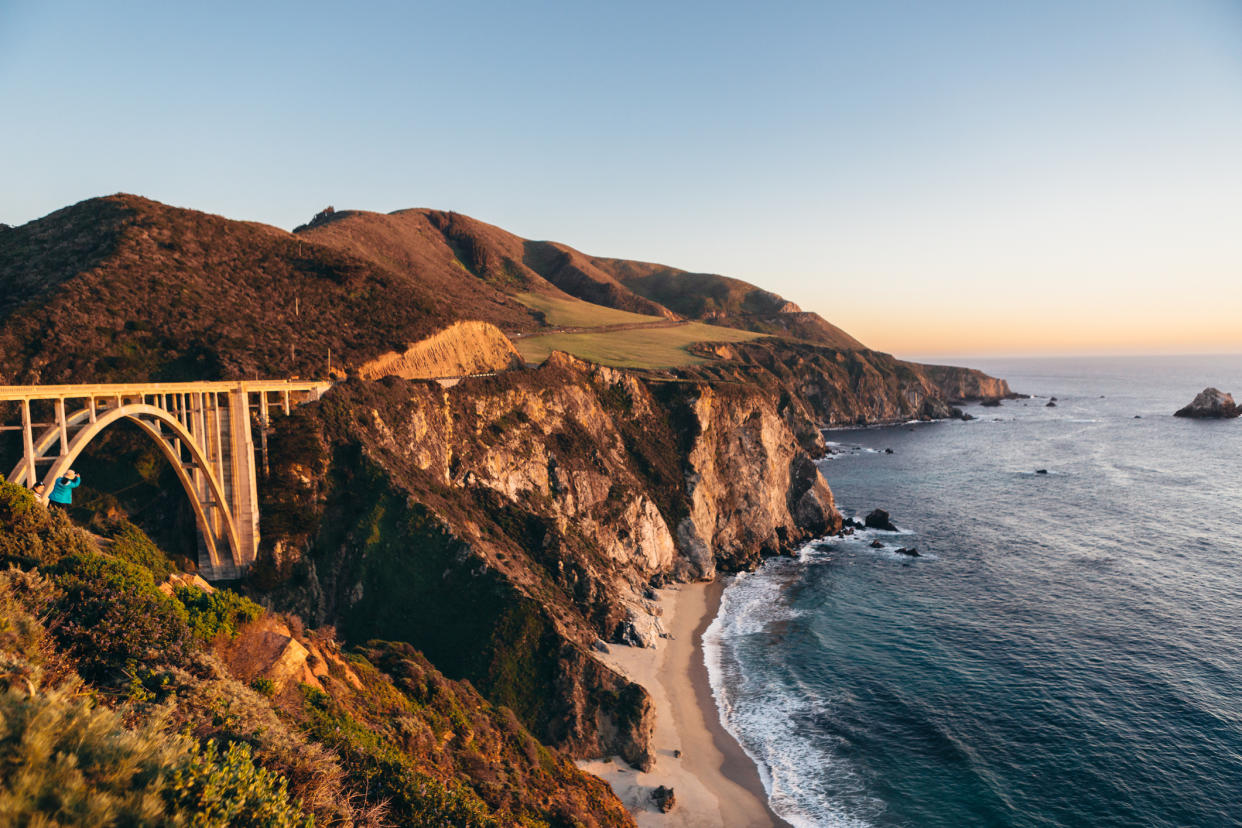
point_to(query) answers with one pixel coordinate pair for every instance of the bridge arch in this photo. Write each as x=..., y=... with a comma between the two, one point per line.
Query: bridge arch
x=152, y=421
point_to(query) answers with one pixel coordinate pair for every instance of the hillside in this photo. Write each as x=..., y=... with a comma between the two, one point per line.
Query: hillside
x=126, y=288
x=134, y=695
x=441, y=248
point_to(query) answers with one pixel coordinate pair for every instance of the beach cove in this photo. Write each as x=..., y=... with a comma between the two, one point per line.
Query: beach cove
x=714, y=781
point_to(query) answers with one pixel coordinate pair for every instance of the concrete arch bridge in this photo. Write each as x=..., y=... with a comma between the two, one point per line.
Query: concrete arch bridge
x=203, y=428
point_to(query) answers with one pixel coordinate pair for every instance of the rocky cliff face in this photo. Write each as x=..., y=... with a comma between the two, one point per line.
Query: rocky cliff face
x=958, y=385
x=503, y=525
x=834, y=387
x=752, y=490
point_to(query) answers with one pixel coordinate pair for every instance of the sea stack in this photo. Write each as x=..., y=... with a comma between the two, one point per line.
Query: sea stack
x=1211, y=404
x=879, y=519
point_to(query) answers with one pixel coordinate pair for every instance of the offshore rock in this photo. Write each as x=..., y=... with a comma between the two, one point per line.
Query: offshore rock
x=1211, y=404
x=879, y=519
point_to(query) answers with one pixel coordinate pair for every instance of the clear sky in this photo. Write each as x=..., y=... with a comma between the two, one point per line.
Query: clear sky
x=948, y=177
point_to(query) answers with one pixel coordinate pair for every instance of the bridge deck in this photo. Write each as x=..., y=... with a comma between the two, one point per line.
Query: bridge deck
x=50, y=392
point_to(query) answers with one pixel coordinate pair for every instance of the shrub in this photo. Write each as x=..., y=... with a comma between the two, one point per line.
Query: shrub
x=212, y=613
x=263, y=686
x=31, y=535
x=24, y=598
x=226, y=710
x=387, y=772
x=129, y=543
x=111, y=615
x=229, y=789
x=66, y=762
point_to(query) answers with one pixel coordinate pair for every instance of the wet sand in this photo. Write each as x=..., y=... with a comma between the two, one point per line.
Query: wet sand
x=714, y=781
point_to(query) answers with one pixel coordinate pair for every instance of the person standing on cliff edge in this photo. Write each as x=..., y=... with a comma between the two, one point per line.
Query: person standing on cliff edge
x=62, y=493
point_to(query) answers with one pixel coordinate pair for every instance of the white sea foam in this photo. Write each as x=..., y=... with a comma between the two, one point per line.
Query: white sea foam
x=764, y=716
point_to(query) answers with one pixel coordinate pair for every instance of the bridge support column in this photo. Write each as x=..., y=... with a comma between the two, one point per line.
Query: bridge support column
x=28, y=444
x=245, y=486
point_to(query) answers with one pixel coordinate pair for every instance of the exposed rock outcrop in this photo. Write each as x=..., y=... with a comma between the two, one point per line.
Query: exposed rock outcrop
x=879, y=519
x=461, y=349
x=270, y=649
x=664, y=799
x=752, y=490
x=1210, y=404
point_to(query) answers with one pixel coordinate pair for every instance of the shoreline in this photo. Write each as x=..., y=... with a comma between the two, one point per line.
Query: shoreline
x=714, y=781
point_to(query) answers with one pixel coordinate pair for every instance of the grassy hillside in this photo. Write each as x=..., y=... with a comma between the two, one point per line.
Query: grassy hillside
x=639, y=348
x=567, y=312
x=124, y=288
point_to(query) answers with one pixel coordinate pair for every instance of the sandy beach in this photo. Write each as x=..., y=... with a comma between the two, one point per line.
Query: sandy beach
x=714, y=781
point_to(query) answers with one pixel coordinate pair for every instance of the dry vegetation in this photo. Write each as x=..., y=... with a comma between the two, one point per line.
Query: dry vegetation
x=638, y=348
x=567, y=312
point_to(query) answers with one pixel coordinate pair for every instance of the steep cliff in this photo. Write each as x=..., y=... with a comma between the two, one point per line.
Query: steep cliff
x=503, y=525
x=836, y=387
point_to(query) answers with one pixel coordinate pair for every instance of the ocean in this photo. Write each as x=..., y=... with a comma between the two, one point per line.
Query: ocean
x=1065, y=651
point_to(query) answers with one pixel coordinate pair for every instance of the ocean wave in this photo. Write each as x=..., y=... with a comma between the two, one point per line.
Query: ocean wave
x=767, y=717
x=860, y=543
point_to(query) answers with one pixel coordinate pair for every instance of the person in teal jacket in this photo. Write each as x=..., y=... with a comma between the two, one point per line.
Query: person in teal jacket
x=62, y=492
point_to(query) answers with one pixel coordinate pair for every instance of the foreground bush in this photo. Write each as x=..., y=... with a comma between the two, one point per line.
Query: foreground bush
x=31, y=535
x=212, y=613
x=112, y=616
x=129, y=543
x=66, y=762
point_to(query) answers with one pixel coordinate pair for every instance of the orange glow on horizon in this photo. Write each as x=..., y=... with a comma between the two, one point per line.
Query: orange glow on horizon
x=904, y=333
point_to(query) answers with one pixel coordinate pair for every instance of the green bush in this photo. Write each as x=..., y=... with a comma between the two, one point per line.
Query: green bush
x=228, y=711
x=263, y=686
x=31, y=535
x=24, y=598
x=387, y=772
x=229, y=789
x=129, y=543
x=212, y=613
x=111, y=615
x=66, y=762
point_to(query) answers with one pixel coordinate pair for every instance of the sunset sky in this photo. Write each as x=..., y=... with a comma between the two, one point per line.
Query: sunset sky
x=937, y=178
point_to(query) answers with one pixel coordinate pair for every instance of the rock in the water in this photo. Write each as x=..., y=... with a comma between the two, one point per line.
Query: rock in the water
x=1041, y=471
x=1211, y=404
x=875, y=544
x=913, y=552
x=879, y=519
x=664, y=799
x=888, y=451
x=1050, y=404
x=852, y=523
x=990, y=403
